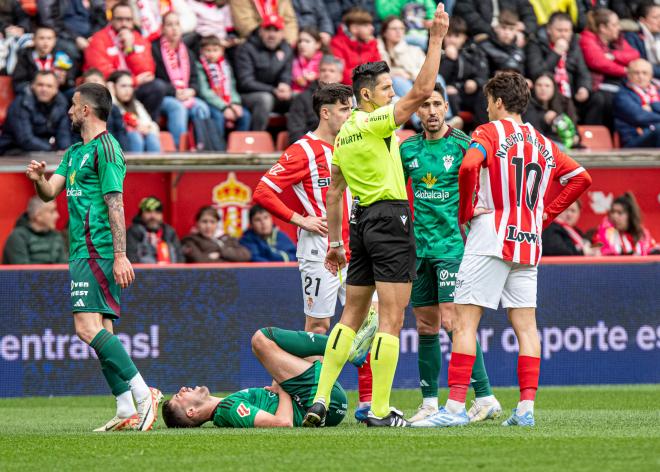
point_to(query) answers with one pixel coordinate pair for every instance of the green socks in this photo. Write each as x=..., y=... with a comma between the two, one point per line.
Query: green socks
x=384, y=358
x=113, y=356
x=429, y=361
x=479, y=379
x=336, y=353
x=298, y=343
x=116, y=383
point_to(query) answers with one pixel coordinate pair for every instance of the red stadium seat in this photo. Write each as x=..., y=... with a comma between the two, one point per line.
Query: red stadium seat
x=250, y=142
x=282, y=141
x=6, y=96
x=616, y=140
x=403, y=134
x=167, y=142
x=596, y=138
x=185, y=143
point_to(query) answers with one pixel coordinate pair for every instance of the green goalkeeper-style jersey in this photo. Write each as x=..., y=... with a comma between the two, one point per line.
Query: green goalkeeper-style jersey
x=239, y=409
x=91, y=170
x=432, y=167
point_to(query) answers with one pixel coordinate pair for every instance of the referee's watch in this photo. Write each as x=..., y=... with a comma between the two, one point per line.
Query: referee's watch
x=336, y=244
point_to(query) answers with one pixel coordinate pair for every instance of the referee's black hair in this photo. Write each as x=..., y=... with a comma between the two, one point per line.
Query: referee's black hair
x=330, y=94
x=98, y=97
x=365, y=76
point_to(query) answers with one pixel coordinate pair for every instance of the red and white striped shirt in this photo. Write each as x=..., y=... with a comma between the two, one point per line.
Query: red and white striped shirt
x=517, y=165
x=305, y=166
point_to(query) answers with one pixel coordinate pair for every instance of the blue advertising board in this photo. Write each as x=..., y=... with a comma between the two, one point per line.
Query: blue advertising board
x=599, y=324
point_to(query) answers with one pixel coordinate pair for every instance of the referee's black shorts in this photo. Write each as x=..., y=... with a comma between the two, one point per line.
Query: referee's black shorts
x=382, y=244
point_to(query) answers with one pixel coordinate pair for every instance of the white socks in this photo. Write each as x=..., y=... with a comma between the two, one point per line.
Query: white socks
x=524, y=406
x=125, y=406
x=430, y=401
x=139, y=388
x=452, y=406
x=487, y=400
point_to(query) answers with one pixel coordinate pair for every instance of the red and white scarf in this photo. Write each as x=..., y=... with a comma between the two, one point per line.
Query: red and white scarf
x=574, y=235
x=561, y=77
x=266, y=7
x=648, y=96
x=43, y=64
x=177, y=65
x=218, y=75
x=120, y=49
x=150, y=19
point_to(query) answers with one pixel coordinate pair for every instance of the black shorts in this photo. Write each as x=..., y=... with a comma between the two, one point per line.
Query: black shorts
x=382, y=244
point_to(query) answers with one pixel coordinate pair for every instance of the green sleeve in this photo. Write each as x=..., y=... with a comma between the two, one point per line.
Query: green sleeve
x=63, y=167
x=235, y=413
x=111, y=167
x=206, y=93
x=379, y=122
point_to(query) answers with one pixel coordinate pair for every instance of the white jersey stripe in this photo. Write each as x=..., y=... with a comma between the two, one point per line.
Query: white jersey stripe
x=270, y=183
x=314, y=176
x=299, y=189
x=504, y=182
x=566, y=177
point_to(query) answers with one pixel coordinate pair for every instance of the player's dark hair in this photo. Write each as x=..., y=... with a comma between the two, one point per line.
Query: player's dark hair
x=98, y=97
x=176, y=417
x=630, y=206
x=457, y=25
x=211, y=40
x=559, y=16
x=366, y=76
x=330, y=94
x=644, y=8
x=512, y=88
x=255, y=210
x=440, y=89
x=207, y=210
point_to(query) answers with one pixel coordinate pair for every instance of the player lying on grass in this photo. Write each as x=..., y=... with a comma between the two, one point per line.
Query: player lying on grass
x=295, y=380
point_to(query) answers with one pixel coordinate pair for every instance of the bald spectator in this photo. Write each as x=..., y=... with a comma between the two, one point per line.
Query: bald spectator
x=354, y=42
x=647, y=39
x=637, y=107
x=248, y=15
x=34, y=239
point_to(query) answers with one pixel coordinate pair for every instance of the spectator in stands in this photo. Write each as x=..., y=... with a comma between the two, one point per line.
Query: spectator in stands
x=249, y=15
x=415, y=14
x=482, y=17
x=37, y=119
x=354, y=42
x=264, y=76
x=119, y=47
x=301, y=117
x=15, y=27
x=551, y=113
x=175, y=66
x=314, y=14
x=502, y=49
x=647, y=39
x=265, y=240
x=143, y=133
x=150, y=14
x=207, y=243
x=75, y=22
x=115, y=123
x=405, y=60
x=622, y=232
x=42, y=57
x=625, y=9
x=637, y=107
x=149, y=240
x=214, y=19
x=563, y=238
x=337, y=8
x=607, y=54
x=555, y=50
x=217, y=88
x=575, y=11
x=308, y=59
x=464, y=67
x=34, y=240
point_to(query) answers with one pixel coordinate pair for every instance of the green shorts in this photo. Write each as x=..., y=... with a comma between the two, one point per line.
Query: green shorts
x=303, y=389
x=93, y=287
x=436, y=281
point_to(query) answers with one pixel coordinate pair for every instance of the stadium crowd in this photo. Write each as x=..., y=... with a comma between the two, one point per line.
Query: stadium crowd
x=200, y=69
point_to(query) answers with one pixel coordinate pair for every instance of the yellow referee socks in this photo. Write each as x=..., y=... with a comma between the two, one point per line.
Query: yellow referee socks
x=384, y=357
x=336, y=353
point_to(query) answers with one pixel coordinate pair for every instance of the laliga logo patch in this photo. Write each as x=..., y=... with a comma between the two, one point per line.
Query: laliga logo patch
x=243, y=411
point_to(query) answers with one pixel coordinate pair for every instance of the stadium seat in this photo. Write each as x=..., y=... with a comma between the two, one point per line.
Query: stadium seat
x=403, y=134
x=6, y=96
x=250, y=142
x=616, y=140
x=185, y=143
x=167, y=142
x=595, y=137
x=282, y=141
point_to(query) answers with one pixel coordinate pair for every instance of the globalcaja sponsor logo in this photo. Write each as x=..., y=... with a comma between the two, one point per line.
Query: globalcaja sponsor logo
x=428, y=193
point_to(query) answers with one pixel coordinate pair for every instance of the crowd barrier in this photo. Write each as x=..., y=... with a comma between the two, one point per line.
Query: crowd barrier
x=191, y=325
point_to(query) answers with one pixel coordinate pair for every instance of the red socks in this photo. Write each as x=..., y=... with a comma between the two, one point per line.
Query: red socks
x=528, y=376
x=365, y=380
x=458, y=378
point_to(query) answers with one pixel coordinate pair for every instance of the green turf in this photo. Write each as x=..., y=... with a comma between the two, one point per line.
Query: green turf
x=578, y=429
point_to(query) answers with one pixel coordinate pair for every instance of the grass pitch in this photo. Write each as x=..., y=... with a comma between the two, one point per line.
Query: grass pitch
x=578, y=429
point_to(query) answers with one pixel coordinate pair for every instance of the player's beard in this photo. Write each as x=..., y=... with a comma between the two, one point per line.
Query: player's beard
x=76, y=126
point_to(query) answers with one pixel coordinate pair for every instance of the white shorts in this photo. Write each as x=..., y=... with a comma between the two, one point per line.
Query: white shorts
x=320, y=288
x=487, y=280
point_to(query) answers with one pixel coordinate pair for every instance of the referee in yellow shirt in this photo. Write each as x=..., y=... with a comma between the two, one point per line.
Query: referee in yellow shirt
x=366, y=160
